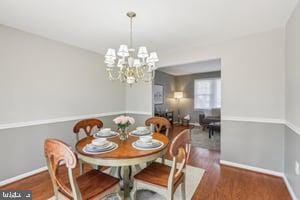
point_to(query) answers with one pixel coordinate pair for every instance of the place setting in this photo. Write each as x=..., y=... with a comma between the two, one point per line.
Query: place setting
x=141, y=131
x=106, y=133
x=147, y=143
x=99, y=145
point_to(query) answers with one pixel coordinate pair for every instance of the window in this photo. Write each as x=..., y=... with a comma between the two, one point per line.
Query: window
x=207, y=93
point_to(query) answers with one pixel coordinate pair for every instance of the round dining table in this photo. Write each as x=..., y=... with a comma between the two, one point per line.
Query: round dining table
x=124, y=156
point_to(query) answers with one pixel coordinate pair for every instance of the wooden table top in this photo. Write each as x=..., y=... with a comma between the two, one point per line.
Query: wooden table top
x=125, y=149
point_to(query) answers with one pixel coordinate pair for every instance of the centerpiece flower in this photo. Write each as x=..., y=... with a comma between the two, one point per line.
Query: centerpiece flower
x=123, y=123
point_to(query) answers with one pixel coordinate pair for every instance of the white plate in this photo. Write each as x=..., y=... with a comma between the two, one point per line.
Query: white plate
x=105, y=135
x=112, y=147
x=136, y=145
x=139, y=133
x=99, y=148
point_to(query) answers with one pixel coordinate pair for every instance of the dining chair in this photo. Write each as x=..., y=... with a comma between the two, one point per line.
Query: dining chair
x=87, y=125
x=91, y=185
x=159, y=123
x=165, y=179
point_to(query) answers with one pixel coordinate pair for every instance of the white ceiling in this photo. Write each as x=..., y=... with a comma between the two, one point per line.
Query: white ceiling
x=160, y=25
x=193, y=68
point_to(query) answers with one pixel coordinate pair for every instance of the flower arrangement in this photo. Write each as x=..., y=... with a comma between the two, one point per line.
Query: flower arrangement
x=123, y=122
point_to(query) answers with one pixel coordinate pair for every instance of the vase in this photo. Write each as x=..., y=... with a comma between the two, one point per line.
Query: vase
x=123, y=134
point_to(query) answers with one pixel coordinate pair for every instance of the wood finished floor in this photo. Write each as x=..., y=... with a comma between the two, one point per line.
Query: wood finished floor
x=219, y=181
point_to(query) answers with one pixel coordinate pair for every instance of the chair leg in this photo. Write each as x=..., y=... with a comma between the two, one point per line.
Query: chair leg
x=56, y=193
x=81, y=166
x=163, y=159
x=183, y=195
x=170, y=195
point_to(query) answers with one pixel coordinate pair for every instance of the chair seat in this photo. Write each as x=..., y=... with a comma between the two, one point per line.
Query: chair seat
x=94, y=184
x=157, y=174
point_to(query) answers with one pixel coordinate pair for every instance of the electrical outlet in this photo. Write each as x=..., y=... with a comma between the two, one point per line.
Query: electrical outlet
x=297, y=168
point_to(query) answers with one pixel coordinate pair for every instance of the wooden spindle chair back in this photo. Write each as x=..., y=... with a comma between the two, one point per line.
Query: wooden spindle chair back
x=87, y=126
x=57, y=152
x=180, y=151
x=159, y=123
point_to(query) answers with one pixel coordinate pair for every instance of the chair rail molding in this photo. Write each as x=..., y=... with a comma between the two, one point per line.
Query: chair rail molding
x=293, y=127
x=138, y=112
x=67, y=118
x=253, y=119
x=56, y=120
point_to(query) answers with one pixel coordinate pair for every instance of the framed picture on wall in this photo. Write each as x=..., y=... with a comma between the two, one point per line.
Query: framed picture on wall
x=158, y=94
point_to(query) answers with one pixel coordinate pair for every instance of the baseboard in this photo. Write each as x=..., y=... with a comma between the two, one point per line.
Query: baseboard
x=251, y=168
x=289, y=187
x=264, y=171
x=21, y=176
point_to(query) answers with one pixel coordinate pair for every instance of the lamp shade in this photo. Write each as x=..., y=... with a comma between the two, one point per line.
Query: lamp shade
x=142, y=53
x=153, y=57
x=123, y=51
x=109, y=61
x=178, y=95
x=120, y=62
x=110, y=54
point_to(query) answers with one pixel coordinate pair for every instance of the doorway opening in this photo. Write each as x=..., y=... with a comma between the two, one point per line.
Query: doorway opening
x=189, y=95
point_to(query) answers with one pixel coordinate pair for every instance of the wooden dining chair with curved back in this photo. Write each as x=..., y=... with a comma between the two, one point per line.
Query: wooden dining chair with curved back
x=91, y=185
x=87, y=125
x=164, y=179
x=159, y=123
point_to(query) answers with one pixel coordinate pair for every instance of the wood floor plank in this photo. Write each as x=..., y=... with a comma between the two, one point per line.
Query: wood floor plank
x=219, y=181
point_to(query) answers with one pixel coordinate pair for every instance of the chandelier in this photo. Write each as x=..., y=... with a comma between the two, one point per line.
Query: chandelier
x=128, y=66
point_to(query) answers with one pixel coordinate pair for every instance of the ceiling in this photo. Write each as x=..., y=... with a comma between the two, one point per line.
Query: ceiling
x=160, y=25
x=193, y=68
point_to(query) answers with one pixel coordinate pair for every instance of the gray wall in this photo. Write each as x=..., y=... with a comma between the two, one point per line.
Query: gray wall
x=186, y=85
x=43, y=79
x=292, y=137
x=253, y=143
x=168, y=82
x=21, y=149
